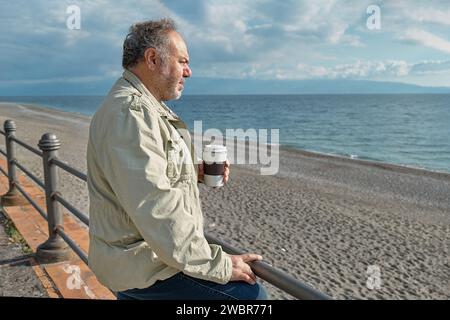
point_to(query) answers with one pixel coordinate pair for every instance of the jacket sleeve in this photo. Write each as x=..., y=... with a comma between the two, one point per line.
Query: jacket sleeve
x=136, y=169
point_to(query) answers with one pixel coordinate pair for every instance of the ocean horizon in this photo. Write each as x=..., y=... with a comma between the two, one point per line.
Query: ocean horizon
x=411, y=130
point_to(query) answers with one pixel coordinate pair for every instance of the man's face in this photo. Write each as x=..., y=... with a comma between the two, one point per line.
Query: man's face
x=174, y=69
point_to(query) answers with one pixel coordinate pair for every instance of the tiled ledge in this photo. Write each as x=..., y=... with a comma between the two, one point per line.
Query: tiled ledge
x=72, y=279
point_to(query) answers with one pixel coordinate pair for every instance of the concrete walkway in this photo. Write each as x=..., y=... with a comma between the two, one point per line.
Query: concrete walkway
x=17, y=277
x=70, y=279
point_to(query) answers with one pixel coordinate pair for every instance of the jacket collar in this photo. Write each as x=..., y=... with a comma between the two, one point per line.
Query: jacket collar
x=137, y=83
x=161, y=107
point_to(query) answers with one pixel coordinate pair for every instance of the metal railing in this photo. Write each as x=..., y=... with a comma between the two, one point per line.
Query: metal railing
x=57, y=247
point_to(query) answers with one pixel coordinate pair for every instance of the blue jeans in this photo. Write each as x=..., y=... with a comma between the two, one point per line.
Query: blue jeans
x=183, y=287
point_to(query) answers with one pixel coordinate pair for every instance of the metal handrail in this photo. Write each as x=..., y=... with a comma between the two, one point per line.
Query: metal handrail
x=274, y=276
x=50, y=144
x=75, y=247
x=69, y=169
x=26, y=146
x=28, y=173
x=80, y=215
x=32, y=202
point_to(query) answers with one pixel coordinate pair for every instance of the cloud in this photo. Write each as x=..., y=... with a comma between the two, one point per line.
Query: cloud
x=427, y=39
x=431, y=67
x=389, y=69
x=251, y=30
x=357, y=70
x=379, y=69
x=431, y=15
x=417, y=23
x=370, y=69
x=82, y=79
x=263, y=39
x=38, y=45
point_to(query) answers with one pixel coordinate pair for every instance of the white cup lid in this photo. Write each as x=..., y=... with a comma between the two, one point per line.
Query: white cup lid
x=217, y=148
x=214, y=153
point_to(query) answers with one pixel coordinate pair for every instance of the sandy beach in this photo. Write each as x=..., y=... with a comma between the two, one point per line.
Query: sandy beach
x=328, y=221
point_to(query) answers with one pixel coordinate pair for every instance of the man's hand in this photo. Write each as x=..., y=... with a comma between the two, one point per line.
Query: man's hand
x=241, y=268
x=226, y=174
x=201, y=172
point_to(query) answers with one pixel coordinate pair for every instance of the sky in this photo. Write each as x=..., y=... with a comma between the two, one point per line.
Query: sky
x=41, y=46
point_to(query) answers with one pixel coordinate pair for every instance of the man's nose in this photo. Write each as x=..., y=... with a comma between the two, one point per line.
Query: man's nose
x=187, y=72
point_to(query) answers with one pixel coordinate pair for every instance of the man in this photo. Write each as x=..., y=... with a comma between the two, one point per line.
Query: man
x=146, y=224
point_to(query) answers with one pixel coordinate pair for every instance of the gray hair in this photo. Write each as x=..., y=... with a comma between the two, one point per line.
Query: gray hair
x=144, y=35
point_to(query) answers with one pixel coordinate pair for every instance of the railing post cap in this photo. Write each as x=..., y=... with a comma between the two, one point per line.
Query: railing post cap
x=49, y=142
x=9, y=126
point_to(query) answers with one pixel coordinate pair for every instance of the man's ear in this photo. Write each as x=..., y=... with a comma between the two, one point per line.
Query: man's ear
x=151, y=57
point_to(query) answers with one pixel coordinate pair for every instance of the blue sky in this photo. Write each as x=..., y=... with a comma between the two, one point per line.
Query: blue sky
x=271, y=40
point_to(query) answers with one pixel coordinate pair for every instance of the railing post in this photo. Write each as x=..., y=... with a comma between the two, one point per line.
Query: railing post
x=55, y=249
x=12, y=197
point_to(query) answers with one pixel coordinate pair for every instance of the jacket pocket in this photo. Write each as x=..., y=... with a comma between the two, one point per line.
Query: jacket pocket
x=173, y=159
x=136, y=246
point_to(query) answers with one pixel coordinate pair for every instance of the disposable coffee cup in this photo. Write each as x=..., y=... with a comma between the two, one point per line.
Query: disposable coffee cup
x=214, y=157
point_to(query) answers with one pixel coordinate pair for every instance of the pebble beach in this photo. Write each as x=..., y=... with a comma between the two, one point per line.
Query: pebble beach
x=352, y=229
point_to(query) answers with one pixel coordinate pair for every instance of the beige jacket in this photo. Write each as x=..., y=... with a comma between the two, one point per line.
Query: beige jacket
x=146, y=222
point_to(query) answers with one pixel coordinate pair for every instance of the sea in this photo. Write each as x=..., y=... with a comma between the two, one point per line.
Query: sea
x=405, y=129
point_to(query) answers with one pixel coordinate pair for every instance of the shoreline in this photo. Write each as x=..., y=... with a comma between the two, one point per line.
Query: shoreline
x=323, y=219
x=65, y=115
x=370, y=162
